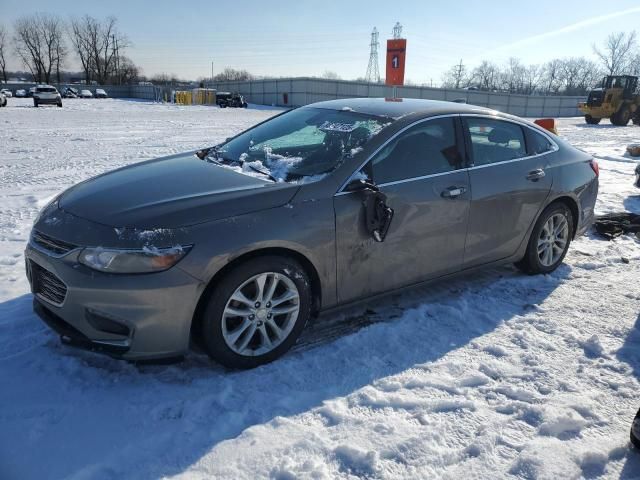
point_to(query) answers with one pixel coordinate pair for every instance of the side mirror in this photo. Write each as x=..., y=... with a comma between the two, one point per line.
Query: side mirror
x=359, y=184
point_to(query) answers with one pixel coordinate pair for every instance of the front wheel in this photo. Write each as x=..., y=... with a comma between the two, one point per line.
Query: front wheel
x=591, y=120
x=549, y=241
x=621, y=117
x=256, y=312
x=35, y=103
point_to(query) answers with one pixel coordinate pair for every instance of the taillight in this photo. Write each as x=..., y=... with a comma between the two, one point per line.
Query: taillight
x=595, y=167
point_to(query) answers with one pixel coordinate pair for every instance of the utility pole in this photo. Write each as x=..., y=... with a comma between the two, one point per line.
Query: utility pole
x=211, y=74
x=373, y=73
x=459, y=73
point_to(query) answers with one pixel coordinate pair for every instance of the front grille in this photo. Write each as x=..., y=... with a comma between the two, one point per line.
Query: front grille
x=46, y=284
x=51, y=244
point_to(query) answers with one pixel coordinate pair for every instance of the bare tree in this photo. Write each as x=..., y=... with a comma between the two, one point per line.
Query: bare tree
x=99, y=46
x=456, y=77
x=551, y=76
x=127, y=70
x=533, y=75
x=485, y=75
x=3, y=52
x=634, y=65
x=330, y=75
x=39, y=42
x=80, y=39
x=617, y=52
x=230, y=74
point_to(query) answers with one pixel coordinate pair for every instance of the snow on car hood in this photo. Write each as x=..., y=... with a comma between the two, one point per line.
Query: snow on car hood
x=169, y=192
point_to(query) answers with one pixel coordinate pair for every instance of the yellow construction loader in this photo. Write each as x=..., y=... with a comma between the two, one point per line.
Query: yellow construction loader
x=616, y=99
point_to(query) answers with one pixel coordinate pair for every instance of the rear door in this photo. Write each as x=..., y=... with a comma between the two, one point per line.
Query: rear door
x=509, y=181
x=421, y=173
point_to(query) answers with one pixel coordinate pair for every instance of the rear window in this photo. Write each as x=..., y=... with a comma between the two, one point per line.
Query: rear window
x=495, y=141
x=537, y=143
x=46, y=90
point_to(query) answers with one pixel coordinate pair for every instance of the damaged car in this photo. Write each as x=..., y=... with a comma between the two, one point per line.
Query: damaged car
x=235, y=248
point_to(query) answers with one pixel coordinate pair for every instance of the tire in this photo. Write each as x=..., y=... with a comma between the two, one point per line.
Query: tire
x=35, y=104
x=60, y=105
x=591, y=120
x=634, y=434
x=621, y=117
x=532, y=263
x=224, y=336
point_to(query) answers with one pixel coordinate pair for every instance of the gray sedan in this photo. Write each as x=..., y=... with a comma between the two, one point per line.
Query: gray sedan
x=236, y=247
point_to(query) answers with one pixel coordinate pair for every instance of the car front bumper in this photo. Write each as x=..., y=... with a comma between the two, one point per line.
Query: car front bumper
x=144, y=316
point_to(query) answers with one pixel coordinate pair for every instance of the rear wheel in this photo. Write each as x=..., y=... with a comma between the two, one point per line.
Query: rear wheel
x=256, y=312
x=591, y=120
x=60, y=104
x=549, y=240
x=35, y=103
x=621, y=117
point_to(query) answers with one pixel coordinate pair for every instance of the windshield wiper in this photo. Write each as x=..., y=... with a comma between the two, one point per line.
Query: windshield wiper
x=256, y=169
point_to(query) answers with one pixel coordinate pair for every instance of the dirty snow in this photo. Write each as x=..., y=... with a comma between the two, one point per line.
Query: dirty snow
x=498, y=375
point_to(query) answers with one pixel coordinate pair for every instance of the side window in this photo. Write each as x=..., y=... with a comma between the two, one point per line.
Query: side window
x=424, y=149
x=494, y=141
x=537, y=143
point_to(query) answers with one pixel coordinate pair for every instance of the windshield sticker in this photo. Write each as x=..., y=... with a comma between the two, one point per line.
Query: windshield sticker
x=337, y=127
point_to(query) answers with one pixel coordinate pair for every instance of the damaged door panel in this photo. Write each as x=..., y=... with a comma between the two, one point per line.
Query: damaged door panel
x=406, y=223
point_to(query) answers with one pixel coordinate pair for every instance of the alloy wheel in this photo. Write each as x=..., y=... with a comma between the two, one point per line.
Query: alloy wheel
x=260, y=314
x=553, y=239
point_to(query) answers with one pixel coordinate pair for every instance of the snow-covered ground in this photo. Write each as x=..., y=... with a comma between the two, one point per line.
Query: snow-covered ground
x=498, y=375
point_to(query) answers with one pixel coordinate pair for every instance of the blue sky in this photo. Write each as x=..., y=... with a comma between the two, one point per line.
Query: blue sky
x=299, y=38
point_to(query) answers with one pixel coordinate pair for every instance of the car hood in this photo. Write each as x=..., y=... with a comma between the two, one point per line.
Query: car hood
x=171, y=192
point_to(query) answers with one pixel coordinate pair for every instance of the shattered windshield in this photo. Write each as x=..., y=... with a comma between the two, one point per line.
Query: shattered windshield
x=300, y=146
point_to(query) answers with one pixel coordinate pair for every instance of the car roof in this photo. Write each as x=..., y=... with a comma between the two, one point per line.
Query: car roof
x=399, y=107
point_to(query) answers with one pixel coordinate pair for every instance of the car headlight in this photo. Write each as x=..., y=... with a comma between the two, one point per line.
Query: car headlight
x=145, y=260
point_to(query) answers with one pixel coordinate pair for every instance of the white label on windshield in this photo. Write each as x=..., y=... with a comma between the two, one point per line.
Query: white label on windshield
x=337, y=127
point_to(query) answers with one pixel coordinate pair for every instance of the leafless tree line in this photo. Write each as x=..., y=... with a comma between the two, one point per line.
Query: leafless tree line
x=569, y=76
x=43, y=42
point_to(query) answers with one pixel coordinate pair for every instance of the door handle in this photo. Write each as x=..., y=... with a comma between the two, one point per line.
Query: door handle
x=453, y=192
x=534, y=175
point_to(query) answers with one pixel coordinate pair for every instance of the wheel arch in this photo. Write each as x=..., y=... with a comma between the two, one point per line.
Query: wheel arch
x=307, y=265
x=572, y=205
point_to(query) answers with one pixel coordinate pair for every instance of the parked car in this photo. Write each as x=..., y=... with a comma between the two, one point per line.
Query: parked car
x=86, y=94
x=6, y=92
x=236, y=247
x=100, y=93
x=69, y=92
x=46, y=95
x=3, y=100
x=227, y=99
x=31, y=91
x=21, y=93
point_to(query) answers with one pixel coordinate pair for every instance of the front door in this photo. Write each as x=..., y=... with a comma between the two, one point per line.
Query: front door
x=420, y=172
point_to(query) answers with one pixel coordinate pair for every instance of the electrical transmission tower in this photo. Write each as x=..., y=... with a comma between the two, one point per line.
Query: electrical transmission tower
x=397, y=31
x=373, y=73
